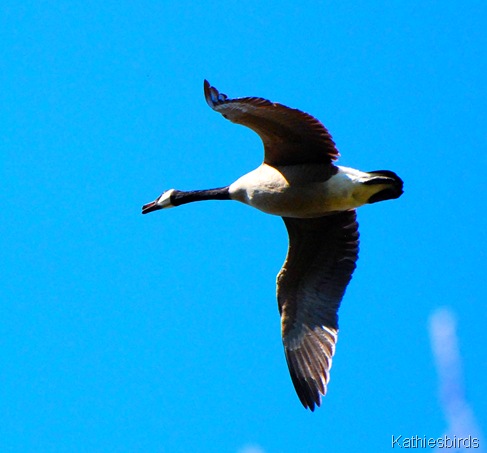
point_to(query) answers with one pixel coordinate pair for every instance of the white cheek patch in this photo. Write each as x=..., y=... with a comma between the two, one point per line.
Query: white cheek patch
x=164, y=200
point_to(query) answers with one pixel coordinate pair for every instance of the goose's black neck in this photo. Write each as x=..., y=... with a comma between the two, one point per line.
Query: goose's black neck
x=179, y=197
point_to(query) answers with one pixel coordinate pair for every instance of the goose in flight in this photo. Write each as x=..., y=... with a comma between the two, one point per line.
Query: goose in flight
x=299, y=181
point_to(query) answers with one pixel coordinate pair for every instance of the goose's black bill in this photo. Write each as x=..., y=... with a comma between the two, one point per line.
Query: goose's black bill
x=149, y=207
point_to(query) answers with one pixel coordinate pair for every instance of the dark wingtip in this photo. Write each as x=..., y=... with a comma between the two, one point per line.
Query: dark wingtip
x=308, y=394
x=212, y=95
x=207, y=90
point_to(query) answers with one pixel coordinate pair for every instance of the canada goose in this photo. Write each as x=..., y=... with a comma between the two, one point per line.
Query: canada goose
x=316, y=199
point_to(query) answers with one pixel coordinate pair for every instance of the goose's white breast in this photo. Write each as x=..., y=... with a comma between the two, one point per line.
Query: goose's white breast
x=295, y=191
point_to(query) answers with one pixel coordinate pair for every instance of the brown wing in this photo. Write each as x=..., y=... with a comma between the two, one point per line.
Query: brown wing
x=290, y=136
x=320, y=262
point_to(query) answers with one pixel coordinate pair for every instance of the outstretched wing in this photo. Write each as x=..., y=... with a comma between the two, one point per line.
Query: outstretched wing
x=290, y=136
x=320, y=262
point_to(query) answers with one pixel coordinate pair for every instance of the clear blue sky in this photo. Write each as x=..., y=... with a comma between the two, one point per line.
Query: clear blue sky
x=121, y=332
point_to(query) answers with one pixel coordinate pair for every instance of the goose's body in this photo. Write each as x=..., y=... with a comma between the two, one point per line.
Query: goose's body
x=302, y=191
x=317, y=200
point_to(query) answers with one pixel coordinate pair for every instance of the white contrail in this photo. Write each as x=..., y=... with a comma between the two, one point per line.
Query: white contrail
x=459, y=415
x=251, y=449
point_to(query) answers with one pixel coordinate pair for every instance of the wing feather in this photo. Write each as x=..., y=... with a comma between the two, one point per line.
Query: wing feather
x=290, y=136
x=320, y=262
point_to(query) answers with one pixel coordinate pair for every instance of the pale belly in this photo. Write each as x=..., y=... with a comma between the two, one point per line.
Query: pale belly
x=273, y=192
x=301, y=202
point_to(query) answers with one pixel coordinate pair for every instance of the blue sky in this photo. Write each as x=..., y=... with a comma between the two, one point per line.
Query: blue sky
x=121, y=332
